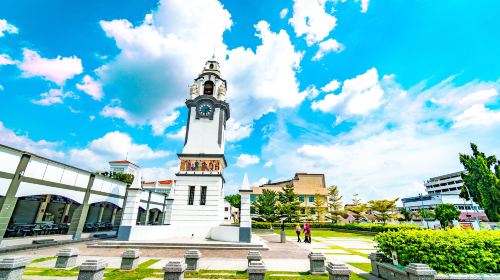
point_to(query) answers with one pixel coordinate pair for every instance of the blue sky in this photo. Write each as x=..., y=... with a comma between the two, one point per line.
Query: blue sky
x=378, y=95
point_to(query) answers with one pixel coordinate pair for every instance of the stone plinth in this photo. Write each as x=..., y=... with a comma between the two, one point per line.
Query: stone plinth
x=12, y=268
x=92, y=269
x=192, y=257
x=316, y=263
x=338, y=271
x=174, y=270
x=375, y=258
x=256, y=270
x=130, y=259
x=253, y=256
x=66, y=258
x=419, y=271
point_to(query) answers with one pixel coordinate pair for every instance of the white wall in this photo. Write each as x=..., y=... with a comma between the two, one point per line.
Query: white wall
x=225, y=233
x=203, y=135
x=28, y=189
x=9, y=161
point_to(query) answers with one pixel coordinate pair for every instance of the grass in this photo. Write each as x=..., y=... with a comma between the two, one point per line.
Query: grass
x=329, y=233
x=141, y=272
x=367, y=267
x=50, y=272
x=351, y=251
x=39, y=260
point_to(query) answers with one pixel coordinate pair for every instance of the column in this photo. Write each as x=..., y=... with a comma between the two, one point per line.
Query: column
x=8, y=203
x=101, y=211
x=66, y=212
x=42, y=208
x=145, y=217
x=161, y=220
x=130, y=211
x=113, y=215
x=80, y=215
x=245, y=219
x=167, y=215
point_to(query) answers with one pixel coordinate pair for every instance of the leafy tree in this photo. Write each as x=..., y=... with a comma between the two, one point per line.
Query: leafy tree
x=335, y=211
x=319, y=204
x=357, y=209
x=289, y=204
x=355, y=199
x=482, y=179
x=266, y=207
x=235, y=201
x=308, y=214
x=446, y=213
x=426, y=214
x=407, y=214
x=382, y=208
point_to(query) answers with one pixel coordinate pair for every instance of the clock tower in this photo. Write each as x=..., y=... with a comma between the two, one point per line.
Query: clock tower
x=199, y=190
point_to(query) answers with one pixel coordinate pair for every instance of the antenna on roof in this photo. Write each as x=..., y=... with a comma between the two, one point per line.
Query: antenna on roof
x=213, y=53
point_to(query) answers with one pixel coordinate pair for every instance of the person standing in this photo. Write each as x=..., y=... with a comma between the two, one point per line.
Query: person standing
x=307, y=233
x=298, y=229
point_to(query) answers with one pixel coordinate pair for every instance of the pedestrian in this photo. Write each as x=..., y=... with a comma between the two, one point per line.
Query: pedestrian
x=307, y=233
x=298, y=229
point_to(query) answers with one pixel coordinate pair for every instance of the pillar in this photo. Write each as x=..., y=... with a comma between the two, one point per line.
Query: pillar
x=338, y=271
x=167, y=215
x=130, y=259
x=316, y=263
x=113, y=215
x=256, y=270
x=161, y=219
x=145, y=217
x=12, y=268
x=9, y=201
x=80, y=215
x=65, y=212
x=66, y=258
x=192, y=257
x=101, y=211
x=245, y=219
x=174, y=270
x=42, y=208
x=375, y=258
x=419, y=271
x=92, y=269
x=253, y=256
x=130, y=211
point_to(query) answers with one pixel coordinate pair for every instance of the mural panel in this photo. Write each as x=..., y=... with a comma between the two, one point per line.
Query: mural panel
x=200, y=165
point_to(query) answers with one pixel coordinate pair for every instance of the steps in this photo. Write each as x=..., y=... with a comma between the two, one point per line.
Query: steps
x=208, y=245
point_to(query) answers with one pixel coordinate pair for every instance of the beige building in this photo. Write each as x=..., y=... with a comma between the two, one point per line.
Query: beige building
x=306, y=186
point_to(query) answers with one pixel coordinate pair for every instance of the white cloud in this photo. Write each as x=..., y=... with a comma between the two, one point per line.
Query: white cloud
x=91, y=117
x=330, y=45
x=161, y=123
x=480, y=97
x=333, y=85
x=477, y=115
x=245, y=160
x=114, y=110
x=112, y=146
x=268, y=164
x=6, y=60
x=166, y=172
x=235, y=131
x=1, y=88
x=6, y=27
x=179, y=135
x=283, y=13
x=23, y=142
x=364, y=5
x=57, y=70
x=53, y=96
x=311, y=92
x=260, y=182
x=264, y=80
x=360, y=96
x=311, y=19
x=91, y=87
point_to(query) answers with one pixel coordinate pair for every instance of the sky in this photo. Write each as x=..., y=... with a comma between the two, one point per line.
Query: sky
x=377, y=95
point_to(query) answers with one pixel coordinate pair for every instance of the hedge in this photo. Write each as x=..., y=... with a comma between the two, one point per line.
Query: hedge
x=446, y=251
x=363, y=227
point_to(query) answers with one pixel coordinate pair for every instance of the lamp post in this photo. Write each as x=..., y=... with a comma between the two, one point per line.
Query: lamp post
x=476, y=214
x=422, y=205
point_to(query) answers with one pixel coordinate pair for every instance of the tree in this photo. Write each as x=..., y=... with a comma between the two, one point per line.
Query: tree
x=235, y=201
x=382, y=208
x=482, y=180
x=426, y=214
x=407, y=214
x=335, y=211
x=357, y=209
x=319, y=204
x=446, y=213
x=266, y=207
x=289, y=204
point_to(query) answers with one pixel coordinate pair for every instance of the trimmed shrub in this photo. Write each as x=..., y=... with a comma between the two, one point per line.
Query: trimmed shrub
x=372, y=227
x=446, y=251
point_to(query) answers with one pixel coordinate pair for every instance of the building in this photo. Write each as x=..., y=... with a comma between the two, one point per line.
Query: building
x=445, y=189
x=306, y=186
x=162, y=186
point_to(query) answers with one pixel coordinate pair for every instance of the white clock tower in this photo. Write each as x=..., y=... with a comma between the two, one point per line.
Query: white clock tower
x=199, y=190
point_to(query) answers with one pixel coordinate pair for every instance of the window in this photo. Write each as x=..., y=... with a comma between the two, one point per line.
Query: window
x=301, y=198
x=208, y=88
x=191, y=195
x=203, y=197
x=311, y=198
x=211, y=66
x=253, y=198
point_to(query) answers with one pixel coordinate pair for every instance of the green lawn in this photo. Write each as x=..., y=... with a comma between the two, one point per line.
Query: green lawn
x=329, y=233
x=363, y=266
x=351, y=251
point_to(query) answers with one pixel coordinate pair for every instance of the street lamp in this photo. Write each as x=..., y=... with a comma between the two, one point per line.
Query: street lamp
x=471, y=204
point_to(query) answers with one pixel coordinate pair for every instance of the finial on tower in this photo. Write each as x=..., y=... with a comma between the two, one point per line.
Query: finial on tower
x=245, y=185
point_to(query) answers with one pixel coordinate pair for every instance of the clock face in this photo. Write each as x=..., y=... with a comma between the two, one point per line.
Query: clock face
x=205, y=109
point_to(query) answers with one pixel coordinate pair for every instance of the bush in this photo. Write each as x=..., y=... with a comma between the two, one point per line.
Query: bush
x=446, y=251
x=362, y=227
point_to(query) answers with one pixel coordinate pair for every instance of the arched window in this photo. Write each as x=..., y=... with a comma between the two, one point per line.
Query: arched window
x=211, y=66
x=208, y=88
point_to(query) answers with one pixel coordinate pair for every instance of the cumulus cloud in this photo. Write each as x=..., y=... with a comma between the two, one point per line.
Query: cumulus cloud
x=114, y=110
x=245, y=160
x=360, y=96
x=23, y=142
x=268, y=164
x=477, y=115
x=91, y=87
x=57, y=70
x=165, y=172
x=236, y=131
x=179, y=135
x=112, y=146
x=53, y=96
x=161, y=123
x=6, y=60
x=327, y=46
x=311, y=19
x=333, y=85
x=283, y=13
x=6, y=27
